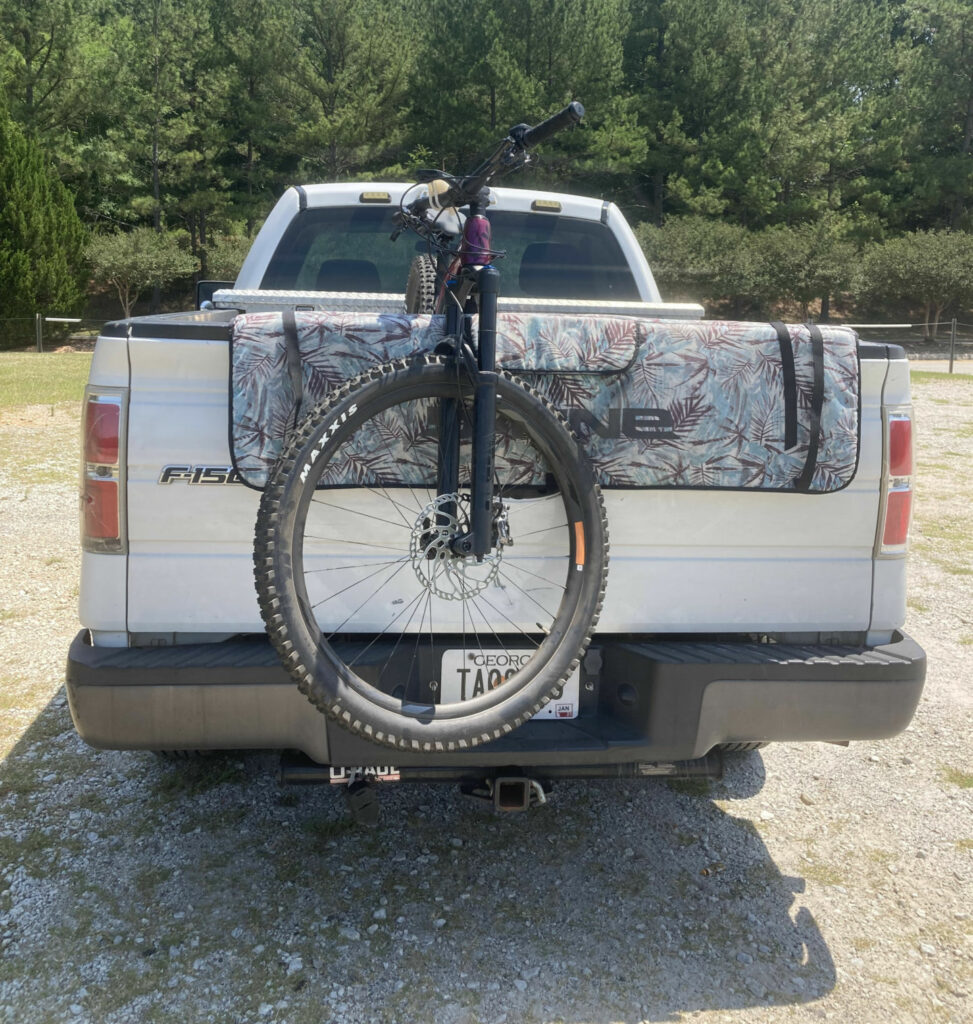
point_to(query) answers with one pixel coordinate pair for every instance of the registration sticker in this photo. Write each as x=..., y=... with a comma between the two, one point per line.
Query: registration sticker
x=467, y=674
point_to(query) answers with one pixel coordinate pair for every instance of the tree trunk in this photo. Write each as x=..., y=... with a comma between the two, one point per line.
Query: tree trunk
x=250, y=222
x=825, y=308
x=203, y=246
x=658, y=196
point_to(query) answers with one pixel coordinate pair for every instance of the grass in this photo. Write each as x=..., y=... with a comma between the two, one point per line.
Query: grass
x=42, y=378
x=194, y=777
x=957, y=778
x=40, y=405
x=921, y=376
x=823, y=874
x=698, y=786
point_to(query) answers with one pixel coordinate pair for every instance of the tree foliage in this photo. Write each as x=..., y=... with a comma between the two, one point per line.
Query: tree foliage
x=926, y=273
x=133, y=261
x=751, y=114
x=41, y=236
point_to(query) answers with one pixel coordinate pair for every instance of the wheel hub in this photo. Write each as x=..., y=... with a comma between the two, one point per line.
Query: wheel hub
x=438, y=566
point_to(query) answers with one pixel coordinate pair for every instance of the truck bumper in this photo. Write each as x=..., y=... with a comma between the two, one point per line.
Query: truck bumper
x=641, y=702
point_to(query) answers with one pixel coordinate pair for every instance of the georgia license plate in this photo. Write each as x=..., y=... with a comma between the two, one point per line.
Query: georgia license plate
x=467, y=674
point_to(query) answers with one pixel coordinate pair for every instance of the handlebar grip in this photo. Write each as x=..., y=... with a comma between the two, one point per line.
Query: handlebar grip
x=570, y=115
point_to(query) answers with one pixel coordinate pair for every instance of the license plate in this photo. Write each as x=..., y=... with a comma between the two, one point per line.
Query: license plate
x=467, y=674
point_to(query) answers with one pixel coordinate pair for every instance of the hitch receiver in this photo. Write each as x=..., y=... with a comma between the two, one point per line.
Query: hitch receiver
x=517, y=793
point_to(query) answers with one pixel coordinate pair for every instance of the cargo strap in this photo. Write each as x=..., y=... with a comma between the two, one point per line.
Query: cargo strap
x=803, y=482
x=293, y=351
x=790, y=384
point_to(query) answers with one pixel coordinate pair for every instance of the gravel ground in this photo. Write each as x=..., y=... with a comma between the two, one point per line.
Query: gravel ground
x=814, y=882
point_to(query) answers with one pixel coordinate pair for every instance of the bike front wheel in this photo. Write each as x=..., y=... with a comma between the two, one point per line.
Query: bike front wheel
x=383, y=624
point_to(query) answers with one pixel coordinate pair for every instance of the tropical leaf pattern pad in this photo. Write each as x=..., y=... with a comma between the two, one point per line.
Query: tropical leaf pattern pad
x=654, y=403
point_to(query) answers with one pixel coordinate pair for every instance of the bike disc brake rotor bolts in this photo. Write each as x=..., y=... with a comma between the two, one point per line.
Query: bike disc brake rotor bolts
x=438, y=567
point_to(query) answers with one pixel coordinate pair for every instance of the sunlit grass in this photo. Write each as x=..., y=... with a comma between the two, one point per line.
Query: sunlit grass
x=42, y=378
x=920, y=376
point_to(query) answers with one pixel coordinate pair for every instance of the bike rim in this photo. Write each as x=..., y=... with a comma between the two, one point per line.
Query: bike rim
x=380, y=595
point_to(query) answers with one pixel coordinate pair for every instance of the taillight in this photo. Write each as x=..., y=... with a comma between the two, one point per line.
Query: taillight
x=900, y=445
x=102, y=420
x=898, y=483
x=102, y=485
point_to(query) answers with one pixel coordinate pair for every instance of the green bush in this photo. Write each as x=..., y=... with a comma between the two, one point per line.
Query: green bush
x=924, y=274
x=132, y=261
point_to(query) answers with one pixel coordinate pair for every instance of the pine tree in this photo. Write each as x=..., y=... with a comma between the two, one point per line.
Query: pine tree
x=41, y=238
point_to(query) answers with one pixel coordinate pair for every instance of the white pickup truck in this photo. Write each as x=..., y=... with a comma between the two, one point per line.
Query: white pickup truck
x=756, y=588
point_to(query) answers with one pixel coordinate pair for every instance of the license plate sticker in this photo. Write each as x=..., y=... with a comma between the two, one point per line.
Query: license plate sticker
x=467, y=674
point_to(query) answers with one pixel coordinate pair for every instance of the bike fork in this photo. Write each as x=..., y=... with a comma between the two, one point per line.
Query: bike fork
x=485, y=414
x=479, y=540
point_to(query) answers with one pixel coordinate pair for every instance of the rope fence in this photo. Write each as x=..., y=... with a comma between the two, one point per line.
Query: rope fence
x=955, y=341
x=19, y=331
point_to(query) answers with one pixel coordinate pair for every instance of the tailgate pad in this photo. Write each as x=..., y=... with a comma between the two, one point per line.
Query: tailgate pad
x=654, y=403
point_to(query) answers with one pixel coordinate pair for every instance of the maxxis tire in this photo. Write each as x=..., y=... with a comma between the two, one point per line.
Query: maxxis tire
x=420, y=290
x=321, y=675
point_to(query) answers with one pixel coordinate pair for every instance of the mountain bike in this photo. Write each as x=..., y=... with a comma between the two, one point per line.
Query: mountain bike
x=431, y=548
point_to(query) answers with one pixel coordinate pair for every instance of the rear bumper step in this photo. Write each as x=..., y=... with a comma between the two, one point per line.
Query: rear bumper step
x=641, y=702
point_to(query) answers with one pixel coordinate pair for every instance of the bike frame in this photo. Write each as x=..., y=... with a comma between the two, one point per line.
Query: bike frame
x=471, y=284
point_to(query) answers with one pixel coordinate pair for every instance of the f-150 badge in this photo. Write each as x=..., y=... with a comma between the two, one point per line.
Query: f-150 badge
x=199, y=475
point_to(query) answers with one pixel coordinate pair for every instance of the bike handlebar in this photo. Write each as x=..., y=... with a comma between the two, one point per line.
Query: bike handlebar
x=510, y=154
x=570, y=115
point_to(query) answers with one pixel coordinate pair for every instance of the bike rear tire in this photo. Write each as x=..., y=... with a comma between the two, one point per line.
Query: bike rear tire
x=420, y=289
x=351, y=512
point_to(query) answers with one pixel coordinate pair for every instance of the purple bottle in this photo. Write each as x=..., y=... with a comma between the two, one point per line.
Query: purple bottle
x=475, y=250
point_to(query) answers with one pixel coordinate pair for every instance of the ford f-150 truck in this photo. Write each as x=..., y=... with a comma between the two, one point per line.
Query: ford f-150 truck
x=756, y=483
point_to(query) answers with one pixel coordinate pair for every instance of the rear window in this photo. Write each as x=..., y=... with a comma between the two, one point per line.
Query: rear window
x=347, y=249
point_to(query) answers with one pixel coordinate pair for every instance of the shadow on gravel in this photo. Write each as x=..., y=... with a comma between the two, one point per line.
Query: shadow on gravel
x=135, y=890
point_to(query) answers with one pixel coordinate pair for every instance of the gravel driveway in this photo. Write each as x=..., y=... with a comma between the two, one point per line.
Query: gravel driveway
x=814, y=882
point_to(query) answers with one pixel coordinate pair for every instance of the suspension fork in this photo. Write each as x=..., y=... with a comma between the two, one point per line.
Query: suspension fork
x=447, y=474
x=485, y=413
x=479, y=540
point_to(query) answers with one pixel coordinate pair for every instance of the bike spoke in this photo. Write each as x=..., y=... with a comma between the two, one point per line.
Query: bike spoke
x=367, y=599
x=511, y=564
x=547, y=529
x=395, y=461
x=398, y=505
x=378, y=636
x=357, y=543
x=401, y=634
x=519, y=629
x=366, y=515
x=526, y=594
x=357, y=565
x=350, y=586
